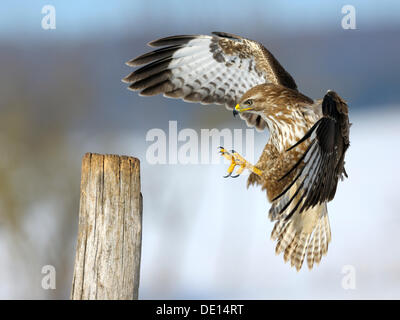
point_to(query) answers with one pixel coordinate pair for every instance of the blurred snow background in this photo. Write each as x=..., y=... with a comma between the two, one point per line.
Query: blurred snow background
x=204, y=236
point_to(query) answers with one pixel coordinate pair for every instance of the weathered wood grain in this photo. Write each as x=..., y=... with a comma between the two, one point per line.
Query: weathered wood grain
x=107, y=261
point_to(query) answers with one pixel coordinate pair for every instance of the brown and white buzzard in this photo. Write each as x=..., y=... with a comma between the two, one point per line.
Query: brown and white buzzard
x=304, y=157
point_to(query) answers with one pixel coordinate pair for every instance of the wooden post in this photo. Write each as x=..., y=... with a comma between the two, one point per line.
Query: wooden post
x=107, y=261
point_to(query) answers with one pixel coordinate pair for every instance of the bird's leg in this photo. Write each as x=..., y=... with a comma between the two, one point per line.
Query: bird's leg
x=237, y=160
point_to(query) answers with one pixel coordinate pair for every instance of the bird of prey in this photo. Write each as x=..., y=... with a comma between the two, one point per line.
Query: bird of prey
x=304, y=157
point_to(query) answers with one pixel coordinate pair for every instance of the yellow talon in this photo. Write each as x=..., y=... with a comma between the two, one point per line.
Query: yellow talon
x=230, y=169
x=239, y=171
x=225, y=153
x=237, y=160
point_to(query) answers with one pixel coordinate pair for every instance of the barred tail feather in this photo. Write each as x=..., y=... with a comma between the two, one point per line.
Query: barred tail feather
x=305, y=234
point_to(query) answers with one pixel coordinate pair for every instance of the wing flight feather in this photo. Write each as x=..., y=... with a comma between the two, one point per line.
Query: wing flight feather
x=216, y=69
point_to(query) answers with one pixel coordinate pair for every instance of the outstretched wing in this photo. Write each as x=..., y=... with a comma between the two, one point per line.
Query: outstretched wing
x=207, y=69
x=322, y=164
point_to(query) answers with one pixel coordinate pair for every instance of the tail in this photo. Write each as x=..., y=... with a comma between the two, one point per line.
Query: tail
x=307, y=233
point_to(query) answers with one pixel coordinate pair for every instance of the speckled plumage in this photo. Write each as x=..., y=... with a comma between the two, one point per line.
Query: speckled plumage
x=304, y=157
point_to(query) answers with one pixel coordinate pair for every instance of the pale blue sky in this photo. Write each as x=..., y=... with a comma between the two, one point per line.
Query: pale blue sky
x=22, y=18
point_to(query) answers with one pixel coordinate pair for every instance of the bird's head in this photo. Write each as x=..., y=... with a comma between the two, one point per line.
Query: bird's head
x=269, y=99
x=252, y=101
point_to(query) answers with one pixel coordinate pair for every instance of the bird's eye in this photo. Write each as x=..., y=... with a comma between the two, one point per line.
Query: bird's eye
x=248, y=102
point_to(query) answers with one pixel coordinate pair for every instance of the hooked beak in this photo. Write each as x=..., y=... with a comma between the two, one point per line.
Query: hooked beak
x=239, y=109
